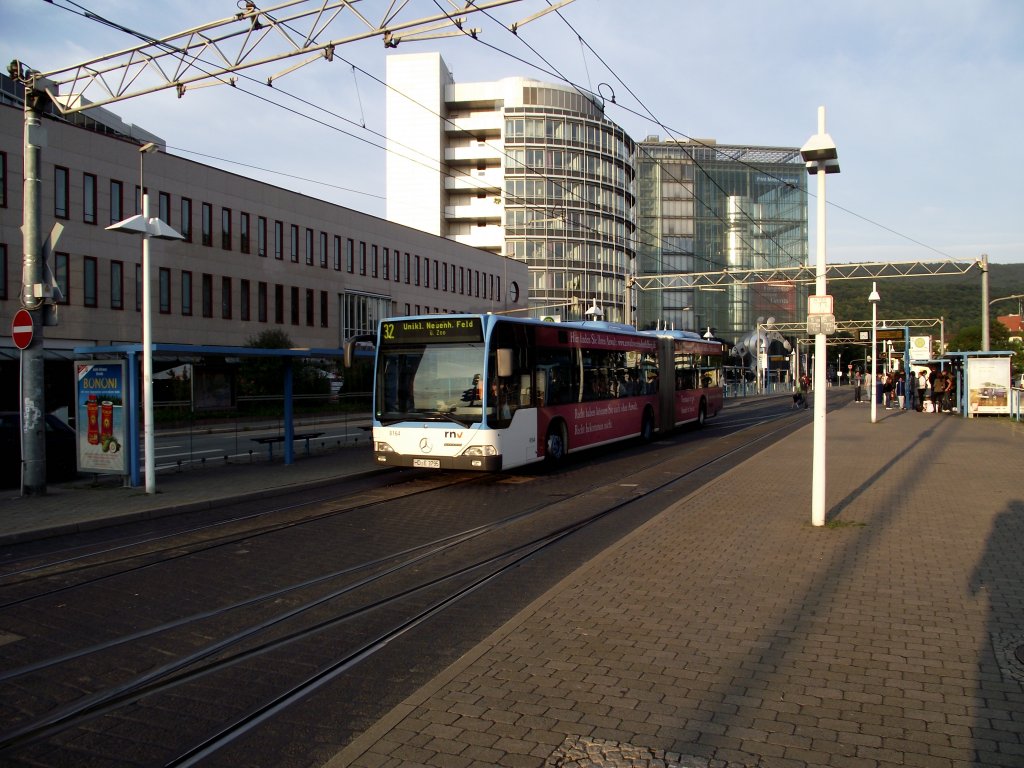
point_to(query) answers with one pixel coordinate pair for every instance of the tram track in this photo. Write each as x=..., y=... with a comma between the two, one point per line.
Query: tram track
x=374, y=602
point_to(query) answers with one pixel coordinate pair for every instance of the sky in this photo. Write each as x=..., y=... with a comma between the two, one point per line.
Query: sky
x=922, y=97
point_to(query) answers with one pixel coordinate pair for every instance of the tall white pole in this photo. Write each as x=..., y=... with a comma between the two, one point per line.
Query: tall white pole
x=874, y=353
x=820, y=344
x=147, y=356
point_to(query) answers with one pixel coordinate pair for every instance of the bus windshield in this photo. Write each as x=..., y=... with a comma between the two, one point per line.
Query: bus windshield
x=430, y=382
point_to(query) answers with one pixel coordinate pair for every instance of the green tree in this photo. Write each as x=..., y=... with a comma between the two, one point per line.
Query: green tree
x=263, y=376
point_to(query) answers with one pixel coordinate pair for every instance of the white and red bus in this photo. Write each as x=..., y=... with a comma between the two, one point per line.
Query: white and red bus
x=485, y=392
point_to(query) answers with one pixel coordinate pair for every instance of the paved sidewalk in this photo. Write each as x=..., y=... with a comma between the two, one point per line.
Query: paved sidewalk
x=730, y=631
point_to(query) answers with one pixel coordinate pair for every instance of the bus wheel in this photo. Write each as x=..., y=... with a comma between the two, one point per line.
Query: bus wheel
x=647, y=427
x=554, y=443
x=702, y=414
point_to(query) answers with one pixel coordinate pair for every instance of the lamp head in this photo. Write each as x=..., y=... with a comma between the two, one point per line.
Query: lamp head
x=818, y=148
x=149, y=147
x=830, y=166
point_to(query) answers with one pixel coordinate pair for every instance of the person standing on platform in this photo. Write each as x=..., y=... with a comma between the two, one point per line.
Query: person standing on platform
x=858, y=386
x=938, y=391
x=922, y=387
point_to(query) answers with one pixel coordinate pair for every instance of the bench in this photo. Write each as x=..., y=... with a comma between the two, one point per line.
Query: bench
x=271, y=440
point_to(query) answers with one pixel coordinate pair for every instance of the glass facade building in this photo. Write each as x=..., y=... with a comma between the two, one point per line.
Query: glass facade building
x=569, y=201
x=704, y=207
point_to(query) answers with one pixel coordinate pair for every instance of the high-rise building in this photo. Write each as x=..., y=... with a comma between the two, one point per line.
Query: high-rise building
x=707, y=207
x=529, y=169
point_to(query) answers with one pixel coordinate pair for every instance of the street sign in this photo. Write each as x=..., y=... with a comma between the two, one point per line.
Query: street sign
x=821, y=324
x=819, y=305
x=21, y=329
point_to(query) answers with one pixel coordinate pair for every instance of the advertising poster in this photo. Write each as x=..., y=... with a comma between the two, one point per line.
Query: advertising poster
x=988, y=385
x=100, y=395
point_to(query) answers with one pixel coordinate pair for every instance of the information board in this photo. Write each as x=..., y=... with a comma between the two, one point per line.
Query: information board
x=432, y=330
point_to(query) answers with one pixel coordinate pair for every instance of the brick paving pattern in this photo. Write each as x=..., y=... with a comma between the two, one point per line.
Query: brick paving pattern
x=729, y=631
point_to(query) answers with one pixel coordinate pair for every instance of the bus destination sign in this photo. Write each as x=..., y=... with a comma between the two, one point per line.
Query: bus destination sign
x=427, y=330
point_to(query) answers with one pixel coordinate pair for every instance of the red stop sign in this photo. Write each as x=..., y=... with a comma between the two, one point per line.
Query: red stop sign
x=21, y=329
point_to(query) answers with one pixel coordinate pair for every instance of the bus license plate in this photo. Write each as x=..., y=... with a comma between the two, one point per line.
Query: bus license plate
x=431, y=463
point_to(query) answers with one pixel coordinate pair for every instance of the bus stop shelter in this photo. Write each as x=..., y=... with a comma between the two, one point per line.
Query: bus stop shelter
x=131, y=353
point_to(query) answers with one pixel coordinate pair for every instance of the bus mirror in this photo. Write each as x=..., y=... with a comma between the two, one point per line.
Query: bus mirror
x=350, y=344
x=505, y=362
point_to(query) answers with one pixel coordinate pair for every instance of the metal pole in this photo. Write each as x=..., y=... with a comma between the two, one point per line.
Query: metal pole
x=984, y=303
x=820, y=342
x=874, y=354
x=33, y=398
x=147, y=352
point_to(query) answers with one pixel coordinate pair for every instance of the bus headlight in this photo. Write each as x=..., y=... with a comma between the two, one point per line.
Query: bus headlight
x=381, y=447
x=480, y=450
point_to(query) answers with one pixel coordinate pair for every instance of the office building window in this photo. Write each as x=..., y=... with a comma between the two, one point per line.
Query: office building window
x=426, y=272
x=261, y=302
x=186, y=219
x=350, y=257
x=397, y=276
x=163, y=209
x=89, y=198
x=324, y=320
x=138, y=287
x=165, y=291
x=416, y=274
x=186, y=293
x=62, y=294
x=225, y=228
x=294, y=252
x=309, y=307
x=374, y=261
x=408, y=269
x=278, y=240
x=89, y=281
x=309, y=247
x=295, y=305
x=60, y=192
x=362, y=258
x=261, y=236
x=117, y=285
x=323, y=250
x=207, y=224
x=116, y=201
x=3, y=179
x=243, y=299
x=225, y=298
x=279, y=304
x=337, y=253
x=207, y=290
x=243, y=232
x=386, y=264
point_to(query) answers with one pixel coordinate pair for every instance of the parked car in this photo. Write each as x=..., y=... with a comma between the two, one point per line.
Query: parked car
x=61, y=450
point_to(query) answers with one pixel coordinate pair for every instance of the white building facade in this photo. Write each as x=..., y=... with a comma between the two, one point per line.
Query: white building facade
x=255, y=256
x=519, y=167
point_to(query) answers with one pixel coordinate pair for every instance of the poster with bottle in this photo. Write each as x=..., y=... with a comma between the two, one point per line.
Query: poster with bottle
x=100, y=416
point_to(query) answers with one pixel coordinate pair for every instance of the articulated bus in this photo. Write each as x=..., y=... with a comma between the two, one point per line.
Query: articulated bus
x=486, y=392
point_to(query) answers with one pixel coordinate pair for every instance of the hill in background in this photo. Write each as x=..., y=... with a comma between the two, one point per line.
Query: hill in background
x=955, y=298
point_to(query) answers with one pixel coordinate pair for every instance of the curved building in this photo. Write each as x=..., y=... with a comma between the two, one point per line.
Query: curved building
x=529, y=169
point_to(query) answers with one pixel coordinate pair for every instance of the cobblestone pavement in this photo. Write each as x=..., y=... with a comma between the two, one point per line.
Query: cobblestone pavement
x=729, y=631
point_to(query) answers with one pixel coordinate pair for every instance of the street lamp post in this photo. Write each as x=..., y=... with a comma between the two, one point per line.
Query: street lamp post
x=821, y=158
x=874, y=298
x=148, y=227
